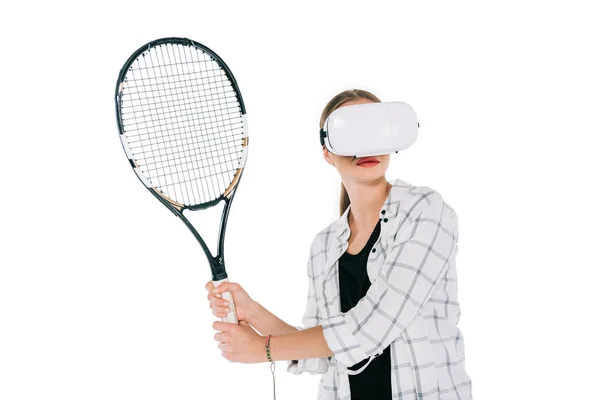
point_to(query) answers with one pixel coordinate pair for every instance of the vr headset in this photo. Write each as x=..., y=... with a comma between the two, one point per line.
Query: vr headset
x=370, y=129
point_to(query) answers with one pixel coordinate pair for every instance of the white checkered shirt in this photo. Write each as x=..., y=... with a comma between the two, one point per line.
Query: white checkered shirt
x=411, y=305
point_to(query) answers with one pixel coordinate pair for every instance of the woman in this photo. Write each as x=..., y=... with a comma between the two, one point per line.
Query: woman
x=382, y=310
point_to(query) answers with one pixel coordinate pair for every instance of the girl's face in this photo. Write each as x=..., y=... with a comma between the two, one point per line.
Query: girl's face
x=348, y=166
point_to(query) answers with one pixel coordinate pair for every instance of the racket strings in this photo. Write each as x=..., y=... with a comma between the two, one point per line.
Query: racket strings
x=156, y=84
x=210, y=156
x=185, y=181
x=181, y=63
x=183, y=122
x=140, y=104
x=226, y=122
x=207, y=156
x=160, y=168
x=233, y=144
x=155, y=111
x=215, y=87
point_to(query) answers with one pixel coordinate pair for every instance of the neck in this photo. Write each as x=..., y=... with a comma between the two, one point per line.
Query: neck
x=366, y=200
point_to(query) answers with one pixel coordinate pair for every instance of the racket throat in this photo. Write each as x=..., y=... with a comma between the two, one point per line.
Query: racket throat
x=217, y=267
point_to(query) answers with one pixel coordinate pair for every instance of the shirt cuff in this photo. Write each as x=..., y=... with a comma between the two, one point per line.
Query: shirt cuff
x=338, y=335
x=311, y=365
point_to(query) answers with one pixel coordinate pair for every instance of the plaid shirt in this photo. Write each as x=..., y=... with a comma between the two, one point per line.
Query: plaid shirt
x=411, y=305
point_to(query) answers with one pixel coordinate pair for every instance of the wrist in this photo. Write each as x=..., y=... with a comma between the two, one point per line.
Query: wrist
x=253, y=312
x=268, y=350
x=261, y=350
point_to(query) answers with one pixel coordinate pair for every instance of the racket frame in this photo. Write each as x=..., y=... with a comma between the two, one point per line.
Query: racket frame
x=217, y=263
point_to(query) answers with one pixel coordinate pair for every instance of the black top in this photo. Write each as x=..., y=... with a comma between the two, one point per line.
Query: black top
x=374, y=382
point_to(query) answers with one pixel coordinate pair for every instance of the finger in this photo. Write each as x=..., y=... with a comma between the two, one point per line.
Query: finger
x=227, y=287
x=218, y=306
x=223, y=287
x=209, y=286
x=219, y=337
x=220, y=311
x=210, y=296
x=223, y=326
x=219, y=302
x=243, y=323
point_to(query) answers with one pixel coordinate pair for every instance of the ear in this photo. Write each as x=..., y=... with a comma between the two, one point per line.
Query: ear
x=327, y=156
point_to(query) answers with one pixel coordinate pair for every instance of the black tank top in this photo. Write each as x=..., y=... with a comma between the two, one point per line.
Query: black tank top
x=374, y=382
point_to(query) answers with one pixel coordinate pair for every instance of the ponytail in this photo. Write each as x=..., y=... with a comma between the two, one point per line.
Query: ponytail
x=344, y=200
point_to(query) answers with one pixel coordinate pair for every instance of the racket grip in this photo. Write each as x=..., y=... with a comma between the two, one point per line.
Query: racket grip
x=231, y=316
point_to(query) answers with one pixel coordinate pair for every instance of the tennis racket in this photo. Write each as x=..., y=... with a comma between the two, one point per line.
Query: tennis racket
x=182, y=124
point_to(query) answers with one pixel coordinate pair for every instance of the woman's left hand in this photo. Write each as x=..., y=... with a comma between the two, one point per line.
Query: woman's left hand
x=240, y=342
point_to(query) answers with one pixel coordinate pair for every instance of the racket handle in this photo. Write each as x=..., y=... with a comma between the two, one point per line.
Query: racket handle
x=231, y=316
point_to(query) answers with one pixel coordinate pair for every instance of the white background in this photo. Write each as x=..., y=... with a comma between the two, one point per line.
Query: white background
x=102, y=288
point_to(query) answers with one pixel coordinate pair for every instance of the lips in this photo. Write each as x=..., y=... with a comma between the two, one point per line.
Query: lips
x=366, y=159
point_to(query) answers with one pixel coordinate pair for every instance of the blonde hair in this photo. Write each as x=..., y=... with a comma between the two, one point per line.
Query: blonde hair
x=333, y=104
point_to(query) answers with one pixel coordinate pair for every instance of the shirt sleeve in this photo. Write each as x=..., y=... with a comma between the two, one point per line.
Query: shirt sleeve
x=423, y=248
x=310, y=319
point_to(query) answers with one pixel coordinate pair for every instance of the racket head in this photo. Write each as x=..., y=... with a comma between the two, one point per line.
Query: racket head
x=182, y=123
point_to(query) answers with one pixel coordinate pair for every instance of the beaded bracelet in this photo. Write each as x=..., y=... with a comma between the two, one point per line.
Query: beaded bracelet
x=267, y=345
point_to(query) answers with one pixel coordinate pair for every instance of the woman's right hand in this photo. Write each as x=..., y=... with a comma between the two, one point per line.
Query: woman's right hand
x=244, y=305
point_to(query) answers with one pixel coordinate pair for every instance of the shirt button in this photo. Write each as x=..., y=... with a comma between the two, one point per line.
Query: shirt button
x=383, y=211
x=373, y=251
x=385, y=220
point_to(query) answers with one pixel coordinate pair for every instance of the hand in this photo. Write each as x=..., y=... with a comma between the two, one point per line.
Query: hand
x=244, y=305
x=240, y=342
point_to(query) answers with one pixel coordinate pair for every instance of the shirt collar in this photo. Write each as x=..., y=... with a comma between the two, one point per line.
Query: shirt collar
x=388, y=209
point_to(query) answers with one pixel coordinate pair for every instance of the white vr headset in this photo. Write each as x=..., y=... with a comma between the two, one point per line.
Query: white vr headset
x=370, y=129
